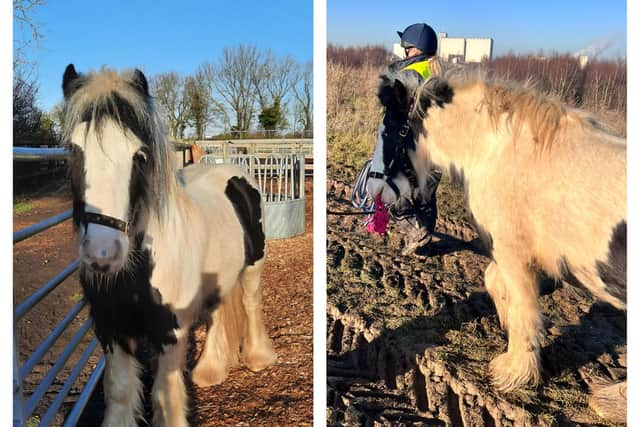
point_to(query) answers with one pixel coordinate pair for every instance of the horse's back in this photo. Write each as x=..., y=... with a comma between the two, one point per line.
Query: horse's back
x=208, y=185
x=213, y=174
x=232, y=205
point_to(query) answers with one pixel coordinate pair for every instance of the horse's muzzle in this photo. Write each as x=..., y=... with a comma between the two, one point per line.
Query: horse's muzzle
x=103, y=249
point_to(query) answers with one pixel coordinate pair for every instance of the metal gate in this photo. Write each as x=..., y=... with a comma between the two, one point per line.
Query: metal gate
x=23, y=404
x=280, y=178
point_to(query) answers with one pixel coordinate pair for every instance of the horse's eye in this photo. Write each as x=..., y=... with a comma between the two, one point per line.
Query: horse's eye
x=141, y=156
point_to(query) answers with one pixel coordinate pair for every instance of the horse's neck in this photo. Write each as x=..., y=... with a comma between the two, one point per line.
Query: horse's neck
x=458, y=135
x=170, y=221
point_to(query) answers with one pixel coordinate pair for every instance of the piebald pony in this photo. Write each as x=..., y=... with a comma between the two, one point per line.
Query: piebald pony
x=157, y=247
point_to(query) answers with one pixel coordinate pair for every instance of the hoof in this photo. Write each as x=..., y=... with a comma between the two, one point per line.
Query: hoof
x=512, y=370
x=259, y=359
x=609, y=401
x=174, y=423
x=110, y=421
x=208, y=375
x=159, y=421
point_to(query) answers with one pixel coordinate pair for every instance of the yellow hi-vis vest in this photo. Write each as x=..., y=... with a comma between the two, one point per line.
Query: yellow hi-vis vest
x=424, y=68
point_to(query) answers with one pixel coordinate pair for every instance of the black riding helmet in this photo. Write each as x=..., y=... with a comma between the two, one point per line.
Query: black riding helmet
x=420, y=36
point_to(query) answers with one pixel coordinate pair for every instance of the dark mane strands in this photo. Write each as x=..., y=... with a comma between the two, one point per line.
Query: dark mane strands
x=95, y=97
x=123, y=97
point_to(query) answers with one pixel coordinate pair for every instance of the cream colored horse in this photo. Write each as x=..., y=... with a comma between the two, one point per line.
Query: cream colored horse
x=157, y=248
x=547, y=187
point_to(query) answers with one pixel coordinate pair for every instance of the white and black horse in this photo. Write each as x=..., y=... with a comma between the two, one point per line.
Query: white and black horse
x=158, y=247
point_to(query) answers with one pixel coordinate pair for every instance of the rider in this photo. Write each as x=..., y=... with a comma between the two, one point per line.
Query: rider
x=417, y=214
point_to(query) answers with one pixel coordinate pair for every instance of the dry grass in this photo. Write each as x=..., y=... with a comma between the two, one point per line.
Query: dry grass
x=353, y=116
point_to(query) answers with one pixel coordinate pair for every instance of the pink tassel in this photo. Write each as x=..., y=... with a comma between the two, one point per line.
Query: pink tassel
x=378, y=223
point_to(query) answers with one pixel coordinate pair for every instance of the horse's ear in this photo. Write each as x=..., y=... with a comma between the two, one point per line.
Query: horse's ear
x=139, y=82
x=69, y=80
x=440, y=90
x=436, y=90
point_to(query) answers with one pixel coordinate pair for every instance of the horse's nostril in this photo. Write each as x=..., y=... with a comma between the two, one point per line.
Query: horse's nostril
x=97, y=267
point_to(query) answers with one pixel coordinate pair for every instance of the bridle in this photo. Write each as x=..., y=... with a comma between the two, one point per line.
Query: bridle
x=401, y=157
x=107, y=221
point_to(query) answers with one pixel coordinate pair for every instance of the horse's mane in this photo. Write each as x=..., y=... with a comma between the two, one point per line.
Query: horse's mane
x=523, y=103
x=107, y=94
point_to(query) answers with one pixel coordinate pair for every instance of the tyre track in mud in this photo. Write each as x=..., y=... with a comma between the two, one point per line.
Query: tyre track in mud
x=409, y=339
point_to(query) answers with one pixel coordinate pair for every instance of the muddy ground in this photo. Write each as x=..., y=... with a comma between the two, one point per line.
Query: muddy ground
x=280, y=395
x=410, y=338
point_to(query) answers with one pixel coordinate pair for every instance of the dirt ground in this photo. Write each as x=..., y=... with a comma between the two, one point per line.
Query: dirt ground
x=410, y=338
x=280, y=395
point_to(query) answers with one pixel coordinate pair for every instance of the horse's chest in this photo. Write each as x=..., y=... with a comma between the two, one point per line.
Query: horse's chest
x=125, y=306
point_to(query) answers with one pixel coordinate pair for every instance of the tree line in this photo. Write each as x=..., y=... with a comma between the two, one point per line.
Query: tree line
x=245, y=89
x=359, y=56
x=599, y=85
x=31, y=125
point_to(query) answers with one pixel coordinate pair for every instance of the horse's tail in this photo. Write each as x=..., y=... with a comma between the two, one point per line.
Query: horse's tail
x=232, y=316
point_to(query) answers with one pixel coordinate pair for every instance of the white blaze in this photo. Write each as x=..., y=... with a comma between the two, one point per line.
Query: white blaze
x=108, y=159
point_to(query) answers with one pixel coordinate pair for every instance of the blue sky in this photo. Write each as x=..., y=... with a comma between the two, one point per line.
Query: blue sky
x=159, y=36
x=521, y=26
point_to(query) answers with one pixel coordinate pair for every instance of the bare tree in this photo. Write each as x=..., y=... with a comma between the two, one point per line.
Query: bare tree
x=303, y=93
x=27, y=117
x=30, y=125
x=212, y=111
x=27, y=33
x=232, y=80
x=57, y=115
x=197, y=99
x=168, y=89
x=202, y=109
x=274, y=79
x=259, y=76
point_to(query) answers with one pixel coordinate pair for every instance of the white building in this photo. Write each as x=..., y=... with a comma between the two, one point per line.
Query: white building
x=464, y=49
x=458, y=49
